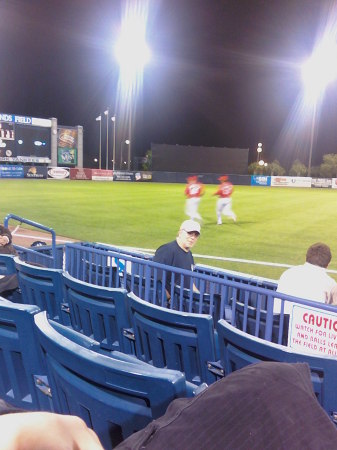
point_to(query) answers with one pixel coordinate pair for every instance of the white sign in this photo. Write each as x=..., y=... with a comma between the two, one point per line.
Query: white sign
x=291, y=181
x=313, y=331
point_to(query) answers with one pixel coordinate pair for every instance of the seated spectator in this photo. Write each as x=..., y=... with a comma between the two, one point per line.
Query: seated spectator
x=270, y=405
x=178, y=252
x=21, y=430
x=308, y=281
x=6, y=246
x=7, y=282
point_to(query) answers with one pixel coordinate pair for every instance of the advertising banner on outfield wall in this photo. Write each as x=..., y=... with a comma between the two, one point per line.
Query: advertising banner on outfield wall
x=260, y=180
x=321, y=182
x=80, y=174
x=101, y=175
x=313, y=331
x=8, y=171
x=35, y=172
x=132, y=176
x=143, y=176
x=334, y=183
x=303, y=182
x=59, y=173
x=123, y=176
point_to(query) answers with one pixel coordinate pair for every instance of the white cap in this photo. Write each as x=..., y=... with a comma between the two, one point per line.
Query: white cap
x=190, y=225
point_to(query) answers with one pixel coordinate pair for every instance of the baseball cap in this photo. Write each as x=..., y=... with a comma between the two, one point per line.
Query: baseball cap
x=190, y=225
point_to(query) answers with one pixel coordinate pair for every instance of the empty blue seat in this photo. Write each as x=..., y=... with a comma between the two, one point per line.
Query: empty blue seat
x=238, y=349
x=99, y=312
x=172, y=339
x=22, y=368
x=115, y=395
x=42, y=287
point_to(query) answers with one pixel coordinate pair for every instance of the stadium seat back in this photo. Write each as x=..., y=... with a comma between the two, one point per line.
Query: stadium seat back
x=114, y=396
x=173, y=339
x=99, y=312
x=22, y=370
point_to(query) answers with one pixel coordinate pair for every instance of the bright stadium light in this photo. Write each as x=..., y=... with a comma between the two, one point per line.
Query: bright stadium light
x=261, y=162
x=320, y=69
x=317, y=73
x=132, y=51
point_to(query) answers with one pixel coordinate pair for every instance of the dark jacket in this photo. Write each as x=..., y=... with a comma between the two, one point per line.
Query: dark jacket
x=7, y=249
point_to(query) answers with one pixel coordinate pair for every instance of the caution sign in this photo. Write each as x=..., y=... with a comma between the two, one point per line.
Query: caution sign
x=313, y=331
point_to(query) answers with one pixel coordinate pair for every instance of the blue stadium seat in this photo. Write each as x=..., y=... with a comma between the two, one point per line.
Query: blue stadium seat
x=9, y=285
x=115, y=395
x=22, y=370
x=43, y=287
x=172, y=339
x=99, y=312
x=238, y=349
x=7, y=264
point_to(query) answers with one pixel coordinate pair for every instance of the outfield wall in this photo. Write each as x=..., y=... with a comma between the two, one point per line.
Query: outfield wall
x=66, y=173
x=295, y=182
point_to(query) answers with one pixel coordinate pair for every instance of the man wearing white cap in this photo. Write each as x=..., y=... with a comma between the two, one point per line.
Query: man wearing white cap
x=178, y=252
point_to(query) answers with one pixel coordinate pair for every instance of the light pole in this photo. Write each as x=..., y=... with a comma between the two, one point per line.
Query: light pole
x=312, y=134
x=113, y=118
x=259, y=150
x=127, y=142
x=132, y=53
x=106, y=113
x=317, y=73
x=99, y=119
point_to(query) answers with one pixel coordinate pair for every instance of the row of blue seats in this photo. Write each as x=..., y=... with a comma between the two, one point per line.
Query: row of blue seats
x=112, y=267
x=47, y=366
x=165, y=337
x=123, y=322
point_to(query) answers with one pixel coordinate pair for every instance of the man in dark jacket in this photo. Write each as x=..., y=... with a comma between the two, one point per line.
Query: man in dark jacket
x=6, y=246
x=8, y=283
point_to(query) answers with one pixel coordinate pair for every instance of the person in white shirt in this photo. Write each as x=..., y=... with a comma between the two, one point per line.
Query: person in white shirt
x=309, y=280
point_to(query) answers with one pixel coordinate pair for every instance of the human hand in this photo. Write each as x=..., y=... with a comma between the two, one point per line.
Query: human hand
x=3, y=240
x=44, y=430
x=332, y=296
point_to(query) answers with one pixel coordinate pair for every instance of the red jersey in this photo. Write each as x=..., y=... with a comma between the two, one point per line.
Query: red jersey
x=224, y=190
x=194, y=190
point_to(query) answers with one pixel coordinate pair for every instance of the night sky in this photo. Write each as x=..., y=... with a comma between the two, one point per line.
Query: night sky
x=223, y=72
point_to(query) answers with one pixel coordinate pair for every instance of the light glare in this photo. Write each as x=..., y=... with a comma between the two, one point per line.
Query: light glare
x=132, y=51
x=321, y=69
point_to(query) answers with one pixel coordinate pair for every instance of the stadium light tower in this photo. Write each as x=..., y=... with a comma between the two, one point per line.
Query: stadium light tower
x=317, y=73
x=259, y=150
x=99, y=119
x=106, y=113
x=132, y=54
x=113, y=118
x=127, y=142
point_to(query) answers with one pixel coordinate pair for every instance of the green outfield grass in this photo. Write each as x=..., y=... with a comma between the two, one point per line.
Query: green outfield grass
x=274, y=224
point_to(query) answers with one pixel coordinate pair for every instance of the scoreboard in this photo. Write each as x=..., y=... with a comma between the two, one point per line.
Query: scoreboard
x=24, y=143
x=7, y=131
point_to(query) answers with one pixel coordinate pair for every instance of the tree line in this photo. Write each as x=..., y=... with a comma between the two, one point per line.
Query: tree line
x=328, y=168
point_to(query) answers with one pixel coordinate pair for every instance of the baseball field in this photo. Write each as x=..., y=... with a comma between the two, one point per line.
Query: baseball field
x=275, y=225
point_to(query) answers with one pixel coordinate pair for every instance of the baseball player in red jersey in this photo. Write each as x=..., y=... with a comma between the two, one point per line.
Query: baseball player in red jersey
x=224, y=203
x=193, y=191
